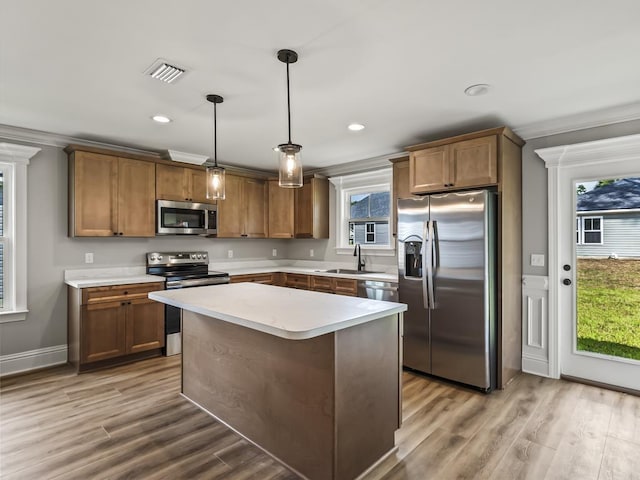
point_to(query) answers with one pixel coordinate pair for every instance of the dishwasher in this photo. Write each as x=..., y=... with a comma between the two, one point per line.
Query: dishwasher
x=376, y=290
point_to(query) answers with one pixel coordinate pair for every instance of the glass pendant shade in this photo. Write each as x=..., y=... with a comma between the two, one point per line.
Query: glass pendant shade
x=215, y=182
x=290, y=172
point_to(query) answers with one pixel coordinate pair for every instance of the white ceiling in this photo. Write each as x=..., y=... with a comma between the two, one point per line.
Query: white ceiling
x=75, y=67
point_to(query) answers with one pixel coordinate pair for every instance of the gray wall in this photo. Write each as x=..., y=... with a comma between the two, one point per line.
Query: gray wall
x=50, y=252
x=534, y=186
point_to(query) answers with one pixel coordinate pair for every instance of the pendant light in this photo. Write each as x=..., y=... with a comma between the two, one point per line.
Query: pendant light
x=215, y=174
x=290, y=171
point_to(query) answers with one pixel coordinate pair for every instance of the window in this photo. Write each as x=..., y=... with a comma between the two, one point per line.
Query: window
x=363, y=208
x=13, y=230
x=589, y=231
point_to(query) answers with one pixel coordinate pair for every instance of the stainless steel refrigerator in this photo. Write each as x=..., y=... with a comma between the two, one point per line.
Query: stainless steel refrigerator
x=447, y=277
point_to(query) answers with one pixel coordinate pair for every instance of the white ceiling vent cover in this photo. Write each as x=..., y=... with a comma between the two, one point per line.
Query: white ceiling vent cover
x=164, y=71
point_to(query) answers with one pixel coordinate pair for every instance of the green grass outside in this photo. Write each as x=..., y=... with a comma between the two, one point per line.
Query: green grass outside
x=609, y=307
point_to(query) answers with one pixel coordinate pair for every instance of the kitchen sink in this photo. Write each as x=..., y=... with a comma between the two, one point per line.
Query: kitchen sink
x=349, y=271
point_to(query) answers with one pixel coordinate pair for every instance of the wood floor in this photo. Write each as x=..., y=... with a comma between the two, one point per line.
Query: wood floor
x=130, y=422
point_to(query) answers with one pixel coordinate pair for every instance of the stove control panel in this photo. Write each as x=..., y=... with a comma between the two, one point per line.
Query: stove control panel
x=177, y=258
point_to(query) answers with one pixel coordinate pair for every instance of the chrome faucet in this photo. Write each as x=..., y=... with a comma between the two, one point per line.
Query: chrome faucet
x=357, y=252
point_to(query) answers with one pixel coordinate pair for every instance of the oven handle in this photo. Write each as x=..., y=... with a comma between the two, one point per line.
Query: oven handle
x=196, y=282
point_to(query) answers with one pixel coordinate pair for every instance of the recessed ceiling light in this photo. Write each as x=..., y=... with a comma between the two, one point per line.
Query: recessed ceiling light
x=355, y=127
x=477, y=90
x=161, y=119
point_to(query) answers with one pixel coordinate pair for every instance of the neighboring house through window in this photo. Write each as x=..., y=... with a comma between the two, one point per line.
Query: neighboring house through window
x=13, y=230
x=363, y=209
x=589, y=230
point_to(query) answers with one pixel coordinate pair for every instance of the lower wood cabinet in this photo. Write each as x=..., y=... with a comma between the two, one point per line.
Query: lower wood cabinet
x=266, y=278
x=114, y=324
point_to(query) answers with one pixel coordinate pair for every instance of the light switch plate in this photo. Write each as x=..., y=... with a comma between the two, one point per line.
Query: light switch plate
x=230, y=253
x=274, y=252
x=537, y=260
x=88, y=258
x=311, y=253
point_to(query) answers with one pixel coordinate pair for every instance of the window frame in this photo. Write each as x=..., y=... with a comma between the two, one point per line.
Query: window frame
x=582, y=231
x=14, y=160
x=380, y=180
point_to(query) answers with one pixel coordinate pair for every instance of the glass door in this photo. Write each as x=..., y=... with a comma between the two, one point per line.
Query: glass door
x=600, y=261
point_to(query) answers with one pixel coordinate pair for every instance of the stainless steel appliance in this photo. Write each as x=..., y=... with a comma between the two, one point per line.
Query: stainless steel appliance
x=447, y=277
x=181, y=270
x=376, y=290
x=186, y=218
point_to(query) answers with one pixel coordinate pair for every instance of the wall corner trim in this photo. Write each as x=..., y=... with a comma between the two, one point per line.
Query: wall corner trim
x=33, y=359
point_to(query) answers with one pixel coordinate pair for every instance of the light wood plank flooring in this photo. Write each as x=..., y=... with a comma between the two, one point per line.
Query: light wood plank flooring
x=130, y=422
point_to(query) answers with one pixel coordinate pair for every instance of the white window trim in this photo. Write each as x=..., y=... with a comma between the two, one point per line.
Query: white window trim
x=348, y=185
x=582, y=230
x=14, y=160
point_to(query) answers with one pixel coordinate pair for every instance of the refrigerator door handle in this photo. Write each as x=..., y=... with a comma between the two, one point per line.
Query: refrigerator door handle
x=425, y=288
x=430, y=245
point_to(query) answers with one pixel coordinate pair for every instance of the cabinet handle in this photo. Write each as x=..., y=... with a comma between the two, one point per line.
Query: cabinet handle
x=244, y=235
x=120, y=233
x=115, y=233
x=123, y=303
x=126, y=292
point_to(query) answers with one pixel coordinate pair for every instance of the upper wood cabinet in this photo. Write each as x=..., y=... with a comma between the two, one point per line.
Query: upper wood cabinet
x=244, y=212
x=312, y=209
x=400, y=187
x=110, y=196
x=462, y=163
x=183, y=184
x=281, y=210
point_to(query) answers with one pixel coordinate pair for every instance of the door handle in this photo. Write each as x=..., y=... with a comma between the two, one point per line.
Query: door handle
x=430, y=258
x=425, y=294
x=566, y=281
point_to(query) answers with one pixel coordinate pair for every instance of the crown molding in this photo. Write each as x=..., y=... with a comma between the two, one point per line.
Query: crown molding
x=357, y=166
x=38, y=137
x=581, y=121
x=600, y=151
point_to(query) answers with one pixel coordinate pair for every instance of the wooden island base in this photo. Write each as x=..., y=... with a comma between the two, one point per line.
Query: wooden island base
x=327, y=407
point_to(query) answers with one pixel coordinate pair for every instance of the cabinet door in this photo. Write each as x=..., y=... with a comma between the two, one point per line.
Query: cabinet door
x=322, y=284
x=428, y=170
x=94, y=195
x=136, y=198
x=198, y=183
x=102, y=330
x=230, y=210
x=303, y=227
x=281, y=206
x=171, y=183
x=256, y=208
x=474, y=162
x=401, y=189
x=145, y=325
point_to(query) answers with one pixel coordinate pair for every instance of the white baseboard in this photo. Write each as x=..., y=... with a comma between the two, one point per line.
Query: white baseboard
x=535, y=366
x=33, y=359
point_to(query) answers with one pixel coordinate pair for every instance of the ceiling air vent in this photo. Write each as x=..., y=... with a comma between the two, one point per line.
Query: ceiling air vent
x=164, y=71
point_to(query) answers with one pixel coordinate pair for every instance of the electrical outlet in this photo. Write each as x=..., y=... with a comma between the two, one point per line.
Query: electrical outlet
x=311, y=253
x=88, y=258
x=537, y=260
x=274, y=252
x=230, y=253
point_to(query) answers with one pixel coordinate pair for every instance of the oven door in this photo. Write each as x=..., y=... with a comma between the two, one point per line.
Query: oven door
x=181, y=218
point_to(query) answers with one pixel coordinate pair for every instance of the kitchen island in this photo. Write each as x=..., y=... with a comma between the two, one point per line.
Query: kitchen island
x=314, y=379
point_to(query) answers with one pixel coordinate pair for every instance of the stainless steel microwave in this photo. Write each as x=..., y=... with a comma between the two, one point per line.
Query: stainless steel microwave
x=186, y=218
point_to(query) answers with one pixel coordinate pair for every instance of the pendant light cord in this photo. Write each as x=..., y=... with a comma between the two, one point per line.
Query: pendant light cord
x=215, y=137
x=288, y=103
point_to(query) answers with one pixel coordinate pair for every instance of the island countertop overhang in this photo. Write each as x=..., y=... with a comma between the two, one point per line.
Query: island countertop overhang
x=284, y=312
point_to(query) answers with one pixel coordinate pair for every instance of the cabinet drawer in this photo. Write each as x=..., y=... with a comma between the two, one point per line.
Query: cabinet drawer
x=346, y=286
x=266, y=278
x=297, y=280
x=112, y=293
x=322, y=284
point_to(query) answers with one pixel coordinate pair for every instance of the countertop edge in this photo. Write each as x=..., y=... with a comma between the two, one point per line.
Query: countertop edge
x=104, y=282
x=278, y=332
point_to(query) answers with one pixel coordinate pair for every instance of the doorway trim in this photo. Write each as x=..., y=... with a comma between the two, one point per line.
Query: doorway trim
x=609, y=150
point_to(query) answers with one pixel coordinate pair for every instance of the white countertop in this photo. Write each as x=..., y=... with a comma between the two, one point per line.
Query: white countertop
x=99, y=277
x=320, y=271
x=284, y=312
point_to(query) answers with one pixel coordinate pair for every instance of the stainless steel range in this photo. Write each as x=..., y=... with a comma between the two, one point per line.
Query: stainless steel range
x=181, y=270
